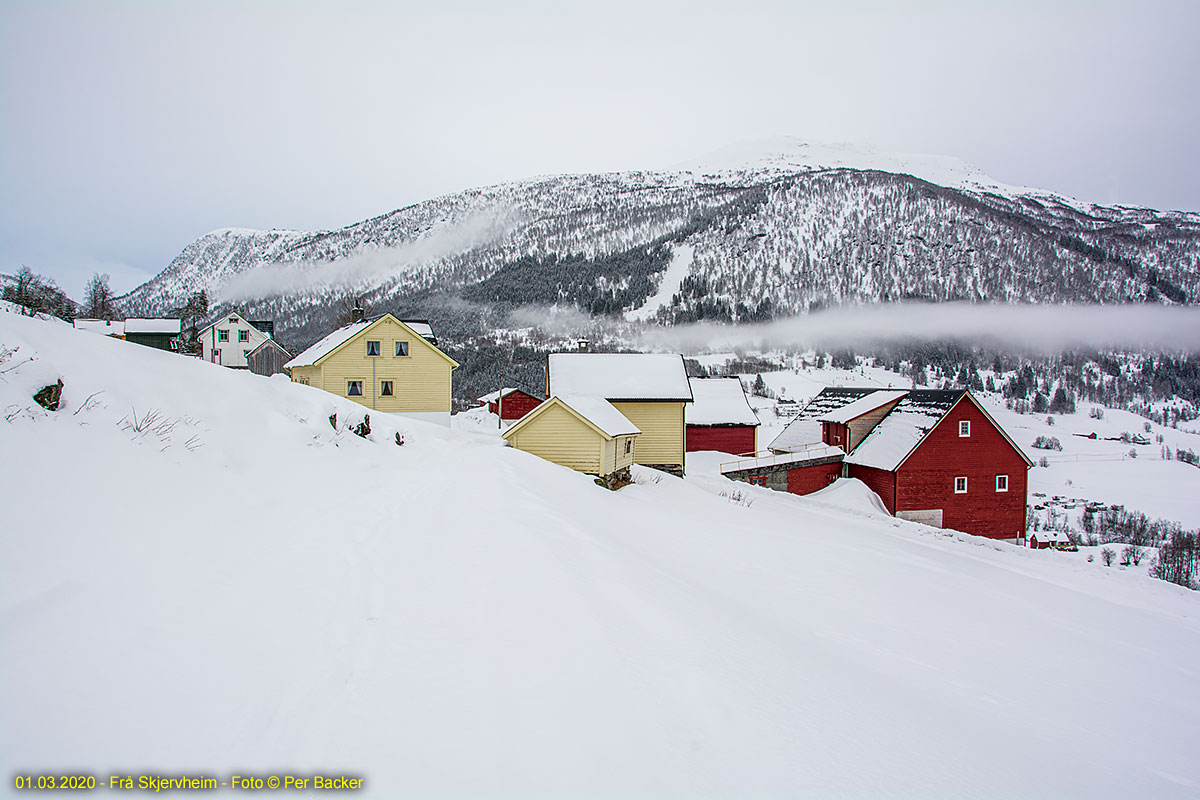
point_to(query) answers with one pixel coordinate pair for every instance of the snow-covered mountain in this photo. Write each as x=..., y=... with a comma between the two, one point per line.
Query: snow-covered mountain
x=454, y=618
x=749, y=233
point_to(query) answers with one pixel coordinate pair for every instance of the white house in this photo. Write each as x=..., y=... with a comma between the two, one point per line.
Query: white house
x=230, y=339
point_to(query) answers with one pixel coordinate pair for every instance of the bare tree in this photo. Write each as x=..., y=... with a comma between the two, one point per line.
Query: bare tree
x=98, y=299
x=351, y=308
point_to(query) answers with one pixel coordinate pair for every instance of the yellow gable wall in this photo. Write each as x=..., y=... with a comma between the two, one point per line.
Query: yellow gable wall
x=420, y=380
x=661, y=425
x=557, y=435
x=615, y=457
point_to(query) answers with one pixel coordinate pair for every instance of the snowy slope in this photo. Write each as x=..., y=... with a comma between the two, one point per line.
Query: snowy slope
x=239, y=588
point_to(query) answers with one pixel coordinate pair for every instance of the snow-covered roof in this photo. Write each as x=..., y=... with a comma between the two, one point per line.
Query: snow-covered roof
x=344, y=334
x=620, y=376
x=1049, y=535
x=327, y=345
x=141, y=325
x=492, y=397
x=813, y=452
x=890, y=442
x=862, y=405
x=101, y=326
x=806, y=427
x=270, y=343
x=719, y=401
x=600, y=413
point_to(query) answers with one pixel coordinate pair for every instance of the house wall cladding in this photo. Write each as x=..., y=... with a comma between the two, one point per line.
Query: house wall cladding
x=421, y=380
x=515, y=405
x=559, y=436
x=808, y=479
x=880, y=481
x=735, y=439
x=661, y=424
x=268, y=361
x=926, y=479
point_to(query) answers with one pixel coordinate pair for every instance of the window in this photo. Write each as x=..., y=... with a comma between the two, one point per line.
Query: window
x=354, y=388
x=372, y=348
x=964, y=428
x=243, y=336
x=628, y=446
x=385, y=388
x=233, y=320
x=222, y=335
x=960, y=485
x=401, y=348
x=758, y=480
x=1001, y=483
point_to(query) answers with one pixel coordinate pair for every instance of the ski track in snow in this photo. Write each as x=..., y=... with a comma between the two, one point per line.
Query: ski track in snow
x=672, y=279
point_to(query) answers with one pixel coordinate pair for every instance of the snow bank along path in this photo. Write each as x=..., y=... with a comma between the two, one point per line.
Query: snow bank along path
x=253, y=591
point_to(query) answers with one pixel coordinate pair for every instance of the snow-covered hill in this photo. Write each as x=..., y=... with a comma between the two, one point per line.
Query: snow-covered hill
x=200, y=574
x=760, y=232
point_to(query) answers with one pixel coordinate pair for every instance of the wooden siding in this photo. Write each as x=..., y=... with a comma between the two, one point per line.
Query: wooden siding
x=862, y=425
x=661, y=424
x=558, y=435
x=268, y=360
x=735, y=439
x=516, y=405
x=926, y=479
x=881, y=481
x=420, y=380
x=805, y=480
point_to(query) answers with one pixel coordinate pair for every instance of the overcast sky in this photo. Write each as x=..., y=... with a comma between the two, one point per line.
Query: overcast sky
x=129, y=129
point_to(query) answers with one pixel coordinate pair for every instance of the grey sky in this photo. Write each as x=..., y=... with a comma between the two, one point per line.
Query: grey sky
x=129, y=129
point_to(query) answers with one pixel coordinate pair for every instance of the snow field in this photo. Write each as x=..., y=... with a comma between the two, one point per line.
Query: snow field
x=452, y=618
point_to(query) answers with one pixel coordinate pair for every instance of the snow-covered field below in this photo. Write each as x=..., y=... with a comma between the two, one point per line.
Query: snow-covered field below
x=200, y=574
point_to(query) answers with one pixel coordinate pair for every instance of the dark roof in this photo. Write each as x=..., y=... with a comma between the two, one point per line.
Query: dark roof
x=831, y=399
x=266, y=326
x=269, y=343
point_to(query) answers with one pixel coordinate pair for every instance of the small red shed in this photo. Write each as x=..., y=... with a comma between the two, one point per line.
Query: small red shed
x=720, y=417
x=510, y=404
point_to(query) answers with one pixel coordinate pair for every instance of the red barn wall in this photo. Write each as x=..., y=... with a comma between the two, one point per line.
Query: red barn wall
x=805, y=480
x=926, y=479
x=516, y=405
x=736, y=439
x=881, y=481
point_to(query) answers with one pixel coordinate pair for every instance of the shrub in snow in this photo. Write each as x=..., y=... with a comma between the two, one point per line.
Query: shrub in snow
x=1050, y=421
x=1106, y=555
x=333, y=420
x=1043, y=462
x=1047, y=443
x=48, y=396
x=399, y=439
x=1096, y=413
x=1133, y=452
x=1091, y=558
x=363, y=428
x=1146, y=427
x=1131, y=554
x=1178, y=559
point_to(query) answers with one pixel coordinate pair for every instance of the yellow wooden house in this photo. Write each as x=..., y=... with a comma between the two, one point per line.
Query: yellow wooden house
x=584, y=433
x=649, y=389
x=385, y=364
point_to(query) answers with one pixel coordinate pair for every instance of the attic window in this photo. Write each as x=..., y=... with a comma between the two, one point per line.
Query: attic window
x=964, y=428
x=1001, y=483
x=243, y=336
x=401, y=348
x=372, y=348
x=960, y=485
x=233, y=320
x=354, y=388
x=385, y=388
x=222, y=335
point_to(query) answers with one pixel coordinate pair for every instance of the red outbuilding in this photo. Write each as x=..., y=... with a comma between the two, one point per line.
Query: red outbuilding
x=511, y=404
x=932, y=456
x=720, y=417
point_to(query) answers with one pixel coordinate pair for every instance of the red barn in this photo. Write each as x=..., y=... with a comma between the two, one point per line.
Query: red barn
x=932, y=456
x=720, y=417
x=510, y=404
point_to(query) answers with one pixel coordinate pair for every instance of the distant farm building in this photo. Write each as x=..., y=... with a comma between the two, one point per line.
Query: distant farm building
x=385, y=364
x=161, y=334
x=932, y=456
x=268, y=358
x=229, y=340
x=720, y=417
x=649, y=389
x=510, y=404
x=587, y=434
x=104, y=327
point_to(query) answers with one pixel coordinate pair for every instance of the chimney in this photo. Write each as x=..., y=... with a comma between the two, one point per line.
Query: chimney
x=357, y=314
x=583, y=345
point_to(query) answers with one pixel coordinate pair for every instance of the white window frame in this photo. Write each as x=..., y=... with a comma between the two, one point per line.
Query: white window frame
x=391, y=388
x=964, y=428
x=350, y=385
x=962, y=478
x=378, y=348
x=222, y=334
x=1001, y=483
x=243, y=335
x=405, y=346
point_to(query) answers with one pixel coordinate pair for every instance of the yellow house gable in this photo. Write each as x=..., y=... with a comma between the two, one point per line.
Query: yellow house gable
x=363, y=336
